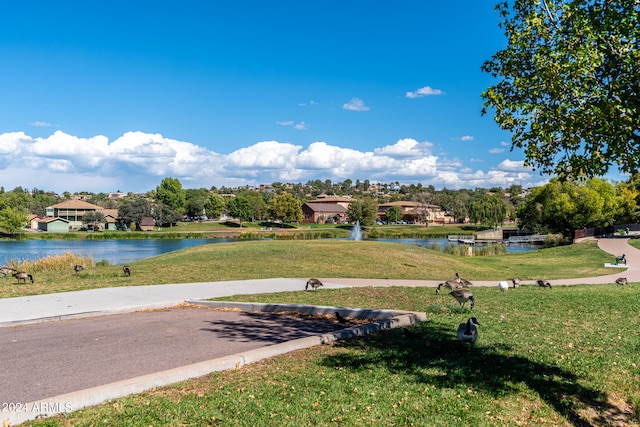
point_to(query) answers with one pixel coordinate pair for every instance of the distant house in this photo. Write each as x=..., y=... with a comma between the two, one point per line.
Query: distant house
x=33, y=221
x=73, y=211
x=321, y=212
x=54, y=225
x=416, y=211
x=147, y=224
x=110, y=219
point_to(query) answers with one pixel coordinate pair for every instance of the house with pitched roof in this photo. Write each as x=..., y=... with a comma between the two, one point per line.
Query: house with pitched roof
x=416, y=211
x=325, y=207
x=73, y=212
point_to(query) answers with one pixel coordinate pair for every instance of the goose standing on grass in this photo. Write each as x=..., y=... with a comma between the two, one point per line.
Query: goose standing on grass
x=621, y=281
x=467, y=331
x=543, y=284
x=516, y=282
x=503, y=286
x=5, y=271
x=314, y=283
x=462, y=296
x=78, y=268
x=21, y=275
x=126, y=270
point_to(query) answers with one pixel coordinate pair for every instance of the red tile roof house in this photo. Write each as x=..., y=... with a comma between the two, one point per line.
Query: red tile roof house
x=73, y=211
x=33, y=221
x=319, y=213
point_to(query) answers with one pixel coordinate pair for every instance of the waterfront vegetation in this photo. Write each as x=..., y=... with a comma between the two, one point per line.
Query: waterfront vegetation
x=565, y=356
x=259, y=230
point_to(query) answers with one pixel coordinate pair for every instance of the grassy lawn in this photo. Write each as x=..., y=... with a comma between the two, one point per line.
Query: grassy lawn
x=566, y=356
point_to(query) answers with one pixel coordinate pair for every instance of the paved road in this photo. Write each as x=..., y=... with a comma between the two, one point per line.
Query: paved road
x=50, y=359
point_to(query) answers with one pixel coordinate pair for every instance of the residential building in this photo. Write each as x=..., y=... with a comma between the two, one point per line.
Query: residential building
x=73, y=212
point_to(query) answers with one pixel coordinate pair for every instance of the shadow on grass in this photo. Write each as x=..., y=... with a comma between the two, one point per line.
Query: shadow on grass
x=435, y=349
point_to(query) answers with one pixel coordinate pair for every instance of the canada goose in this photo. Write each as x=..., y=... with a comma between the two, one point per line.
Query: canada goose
x=622, y=259
x=516, y=282
x=543, y=284
x=127, y=270
x=503, y=286
x=21, y=275
x=448, y=284
x=314, y=283
x=467, y=332
x=78, y=268
x=462, y=296
x=621, y=280
x=464, y=282
x=5, y=271
x=340, y=318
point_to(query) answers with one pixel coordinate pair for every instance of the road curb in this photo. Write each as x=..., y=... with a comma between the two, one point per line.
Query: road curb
x=69, y=402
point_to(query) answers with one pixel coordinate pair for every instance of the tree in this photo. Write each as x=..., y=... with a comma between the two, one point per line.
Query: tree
x=564, y=206
x=569, y=90
x=364, y=211
x=284, y=207
x=195, y=201
x=394, y=213
x=214, y=205
x=489, y=209
x=133, y=210
x=171, y=194
x=93, y=219
x=240, y=208
x=12, y=219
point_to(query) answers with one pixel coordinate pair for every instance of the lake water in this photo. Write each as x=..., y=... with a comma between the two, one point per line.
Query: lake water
x=114, y=251
x=125, y=251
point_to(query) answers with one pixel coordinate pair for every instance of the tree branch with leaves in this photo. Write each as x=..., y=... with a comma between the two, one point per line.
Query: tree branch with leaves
x=568, y=87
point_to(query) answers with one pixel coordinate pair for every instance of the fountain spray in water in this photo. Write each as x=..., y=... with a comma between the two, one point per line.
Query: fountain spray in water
x=356, y=232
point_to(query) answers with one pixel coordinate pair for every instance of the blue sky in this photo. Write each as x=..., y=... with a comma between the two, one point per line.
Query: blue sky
x=106, y=96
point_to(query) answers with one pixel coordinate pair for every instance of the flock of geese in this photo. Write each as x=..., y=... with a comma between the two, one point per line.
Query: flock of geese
x=19, y=275
x=22, y=276
x=467, y=331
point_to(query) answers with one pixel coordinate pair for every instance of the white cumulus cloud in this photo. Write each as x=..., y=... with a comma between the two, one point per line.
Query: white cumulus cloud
x=355, y=104
x=138, y=161
x=424, y=91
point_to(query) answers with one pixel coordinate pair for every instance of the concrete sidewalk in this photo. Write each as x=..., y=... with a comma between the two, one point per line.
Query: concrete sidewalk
x=95, y=302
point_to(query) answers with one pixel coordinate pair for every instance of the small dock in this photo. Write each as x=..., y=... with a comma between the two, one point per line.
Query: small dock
x=527, y=239
x=461, y=238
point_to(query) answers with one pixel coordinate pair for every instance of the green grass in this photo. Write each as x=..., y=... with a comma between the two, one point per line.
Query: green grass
x=545, y=357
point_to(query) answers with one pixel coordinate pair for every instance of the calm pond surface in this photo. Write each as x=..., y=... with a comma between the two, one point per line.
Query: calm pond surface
x=125, y=251
x=114, y=251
